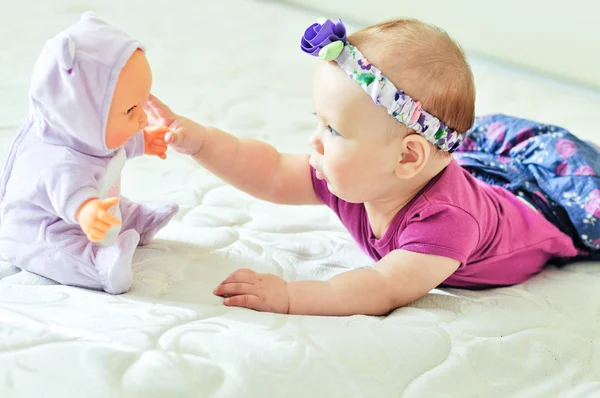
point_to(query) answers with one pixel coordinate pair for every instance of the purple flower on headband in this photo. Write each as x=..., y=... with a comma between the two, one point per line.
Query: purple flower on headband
x=319, y=35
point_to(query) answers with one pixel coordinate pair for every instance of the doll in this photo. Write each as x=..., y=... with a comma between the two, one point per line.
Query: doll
x=61, y=212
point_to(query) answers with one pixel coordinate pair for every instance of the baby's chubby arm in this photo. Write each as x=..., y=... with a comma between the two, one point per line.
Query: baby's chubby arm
x=250, y=165
x=257, y=168
x=398, y=279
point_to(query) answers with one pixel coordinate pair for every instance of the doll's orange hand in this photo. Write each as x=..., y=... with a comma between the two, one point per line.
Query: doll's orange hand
x=154, y=141
x=94, y=218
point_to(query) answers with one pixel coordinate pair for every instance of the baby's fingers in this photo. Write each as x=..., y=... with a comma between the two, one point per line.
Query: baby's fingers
x=235, y=289
x=174, y=138
x=151, y=113
x=247, y=301
x=159, y=108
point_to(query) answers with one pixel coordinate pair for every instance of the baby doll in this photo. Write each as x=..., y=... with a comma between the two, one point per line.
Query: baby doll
x=61, y=212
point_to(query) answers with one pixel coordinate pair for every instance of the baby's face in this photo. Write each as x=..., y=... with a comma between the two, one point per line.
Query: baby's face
x=126, y=116
x=354, y=148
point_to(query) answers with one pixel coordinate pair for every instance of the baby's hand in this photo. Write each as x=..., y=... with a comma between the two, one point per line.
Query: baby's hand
x=261, y=292
x=94, y=218
x=184, y=135
x=154, y=141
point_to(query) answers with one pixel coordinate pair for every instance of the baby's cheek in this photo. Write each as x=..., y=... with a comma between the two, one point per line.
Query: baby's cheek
x=340, y=173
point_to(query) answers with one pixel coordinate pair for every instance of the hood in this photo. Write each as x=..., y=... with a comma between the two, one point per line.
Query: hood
x=73, y=83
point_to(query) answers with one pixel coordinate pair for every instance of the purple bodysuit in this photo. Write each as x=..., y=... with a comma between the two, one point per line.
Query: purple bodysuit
x=59, y=159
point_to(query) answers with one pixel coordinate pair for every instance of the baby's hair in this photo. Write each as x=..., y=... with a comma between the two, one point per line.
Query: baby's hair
x=424, y=62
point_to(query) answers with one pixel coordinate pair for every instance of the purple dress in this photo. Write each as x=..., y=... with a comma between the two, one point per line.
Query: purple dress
x=59, y=159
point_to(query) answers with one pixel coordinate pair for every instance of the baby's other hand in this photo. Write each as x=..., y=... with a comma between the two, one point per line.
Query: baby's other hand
x=260, y=292
x=154, y=141
x=184, y=135
x=94, y=218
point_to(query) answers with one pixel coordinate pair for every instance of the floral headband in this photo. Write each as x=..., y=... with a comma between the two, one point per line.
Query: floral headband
x=327, y=40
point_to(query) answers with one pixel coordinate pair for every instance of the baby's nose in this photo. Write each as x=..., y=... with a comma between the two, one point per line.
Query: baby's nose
x=315, y=143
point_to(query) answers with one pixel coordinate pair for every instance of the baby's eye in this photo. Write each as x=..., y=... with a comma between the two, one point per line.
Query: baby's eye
x=332, y=131
x=130, y=109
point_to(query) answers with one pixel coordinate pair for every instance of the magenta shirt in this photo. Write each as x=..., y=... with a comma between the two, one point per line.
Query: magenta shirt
x=498, y=239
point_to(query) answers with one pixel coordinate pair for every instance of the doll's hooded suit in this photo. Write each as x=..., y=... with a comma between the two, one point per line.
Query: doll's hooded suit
x=59, y=159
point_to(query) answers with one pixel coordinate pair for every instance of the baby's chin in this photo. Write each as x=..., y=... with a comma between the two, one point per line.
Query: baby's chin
x=343, y=195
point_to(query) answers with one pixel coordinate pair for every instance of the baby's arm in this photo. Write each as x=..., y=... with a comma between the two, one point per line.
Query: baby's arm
x=250, y=165
x=257, y=168
x=398, y=279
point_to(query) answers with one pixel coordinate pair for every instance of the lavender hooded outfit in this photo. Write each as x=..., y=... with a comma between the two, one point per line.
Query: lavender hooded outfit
x=59, y=159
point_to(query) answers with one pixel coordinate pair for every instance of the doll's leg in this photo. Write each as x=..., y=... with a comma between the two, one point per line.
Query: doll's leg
x=146, y=219
x=71, y=259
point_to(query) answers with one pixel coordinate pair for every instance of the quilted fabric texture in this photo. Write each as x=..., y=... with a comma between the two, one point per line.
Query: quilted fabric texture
x=237, y=64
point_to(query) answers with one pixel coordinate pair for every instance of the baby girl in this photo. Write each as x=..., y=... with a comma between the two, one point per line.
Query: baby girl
x=394, y=103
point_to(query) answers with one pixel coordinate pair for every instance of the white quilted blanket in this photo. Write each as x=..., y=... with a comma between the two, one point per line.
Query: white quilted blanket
x=237, y=64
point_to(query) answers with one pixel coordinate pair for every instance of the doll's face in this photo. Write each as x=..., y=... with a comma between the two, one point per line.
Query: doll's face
x=126, y=116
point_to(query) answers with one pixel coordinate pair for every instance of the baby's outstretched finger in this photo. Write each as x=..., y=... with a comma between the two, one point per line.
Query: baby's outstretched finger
x=152, y=116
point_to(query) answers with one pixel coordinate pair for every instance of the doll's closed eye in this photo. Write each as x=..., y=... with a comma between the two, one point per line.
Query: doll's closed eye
x=130, y=109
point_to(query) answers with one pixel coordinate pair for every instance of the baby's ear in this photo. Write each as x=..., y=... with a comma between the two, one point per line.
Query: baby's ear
x=65, y=51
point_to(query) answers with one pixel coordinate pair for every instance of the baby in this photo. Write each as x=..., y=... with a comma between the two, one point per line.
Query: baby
x=61, y=212
x=393, y=102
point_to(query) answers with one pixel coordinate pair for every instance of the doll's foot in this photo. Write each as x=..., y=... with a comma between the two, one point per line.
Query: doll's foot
x=114, y=263
x=159, y=217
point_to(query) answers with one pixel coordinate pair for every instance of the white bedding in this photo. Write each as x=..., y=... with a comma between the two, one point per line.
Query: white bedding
x=237, y=64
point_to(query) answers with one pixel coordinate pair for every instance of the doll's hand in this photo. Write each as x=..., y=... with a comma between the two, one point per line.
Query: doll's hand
x=184, y=135
x=94, y=218
x=154, y=141
x=261, y=292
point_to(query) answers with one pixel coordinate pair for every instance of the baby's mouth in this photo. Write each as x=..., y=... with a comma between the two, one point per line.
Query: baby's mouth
x=318, y=173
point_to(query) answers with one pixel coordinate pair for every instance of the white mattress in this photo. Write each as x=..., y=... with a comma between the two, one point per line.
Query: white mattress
x=237, y=64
